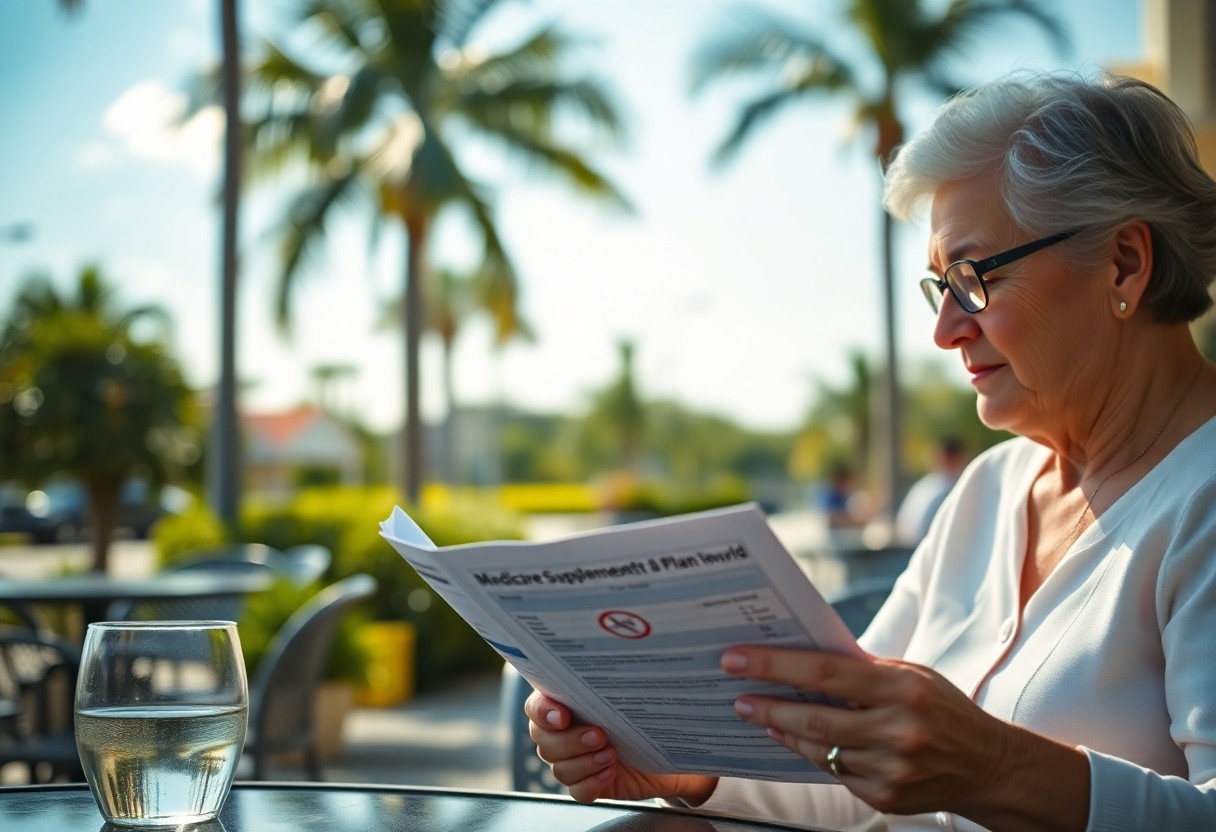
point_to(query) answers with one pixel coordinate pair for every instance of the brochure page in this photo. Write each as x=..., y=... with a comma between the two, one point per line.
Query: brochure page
x=627, y=625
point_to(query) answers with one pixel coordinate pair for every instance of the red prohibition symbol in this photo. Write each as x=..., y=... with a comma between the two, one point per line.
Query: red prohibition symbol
x=624, y=624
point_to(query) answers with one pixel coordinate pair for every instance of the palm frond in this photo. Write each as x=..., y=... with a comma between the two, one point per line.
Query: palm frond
x=277, y=138
x=411, y=27
x=343, y=107
x=538, y=54
x=964, y=20
x=343, y=22
x=758, y=43
x=530, y=106
x=154, y=312
x=394, y=159
x=497, y=287
x=821, y=76
x=37, y=299
x=459, y=18
x=564, y=162
x=305, y=226
x=93, y=294
x=278, y=76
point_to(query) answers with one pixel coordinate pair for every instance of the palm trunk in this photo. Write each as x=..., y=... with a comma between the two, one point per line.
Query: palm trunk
x=449, y=421
x=224, y=472
x=890, y=413
x=888, y=433
x=412, y=461
x=102, y=513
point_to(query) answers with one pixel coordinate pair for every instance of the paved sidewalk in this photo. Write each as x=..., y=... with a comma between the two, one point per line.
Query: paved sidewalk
x=452, y=738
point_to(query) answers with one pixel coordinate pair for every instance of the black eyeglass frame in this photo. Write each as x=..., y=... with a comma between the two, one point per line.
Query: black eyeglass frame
x=981, y=268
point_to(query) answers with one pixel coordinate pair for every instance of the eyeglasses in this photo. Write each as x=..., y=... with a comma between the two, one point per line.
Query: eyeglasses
x=965, y=278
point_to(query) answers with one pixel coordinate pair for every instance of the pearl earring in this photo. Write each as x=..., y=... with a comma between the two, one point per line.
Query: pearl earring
x=1122, y=306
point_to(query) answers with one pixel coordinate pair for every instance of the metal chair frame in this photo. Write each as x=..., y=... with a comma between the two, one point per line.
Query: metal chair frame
x=283, y=689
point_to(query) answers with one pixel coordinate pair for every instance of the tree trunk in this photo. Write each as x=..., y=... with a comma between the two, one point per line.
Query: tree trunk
x=224, y=471
x=412, y=461
x=449, y=420
x=102, y=512
x=888, y=433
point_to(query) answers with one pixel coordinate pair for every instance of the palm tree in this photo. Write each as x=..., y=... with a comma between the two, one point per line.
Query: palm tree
x=82, y=394
x=907, y=41
x=383, y=127
x=452, y=298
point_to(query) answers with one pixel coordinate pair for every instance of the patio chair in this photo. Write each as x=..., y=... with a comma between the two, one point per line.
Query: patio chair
x=302, y=565
x=529, y=773
x=21, y=615
x=37, y=684
x=283, y=689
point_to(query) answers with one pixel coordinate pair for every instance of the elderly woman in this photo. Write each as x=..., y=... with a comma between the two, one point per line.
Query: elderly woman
x=1047, y=662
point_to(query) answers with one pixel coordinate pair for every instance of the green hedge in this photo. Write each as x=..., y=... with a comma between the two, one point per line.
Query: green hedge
x=265, y=613
x=347, y=521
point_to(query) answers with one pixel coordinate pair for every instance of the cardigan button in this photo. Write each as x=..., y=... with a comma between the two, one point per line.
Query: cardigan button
x=1007, y=628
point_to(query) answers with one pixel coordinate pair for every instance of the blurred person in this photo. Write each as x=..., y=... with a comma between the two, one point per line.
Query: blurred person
x=1046, y=660
x=840, y=501
x=926, y=495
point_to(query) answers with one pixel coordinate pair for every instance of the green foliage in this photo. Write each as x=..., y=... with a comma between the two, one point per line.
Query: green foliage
x=663, y=499
x=265, y=613
x=347, y=520
x=178, y=534
x=81, y=394
x=84, y=393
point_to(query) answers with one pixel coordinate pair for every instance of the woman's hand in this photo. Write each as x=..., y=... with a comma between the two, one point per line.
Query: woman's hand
x=913, y=742
x=582, y=759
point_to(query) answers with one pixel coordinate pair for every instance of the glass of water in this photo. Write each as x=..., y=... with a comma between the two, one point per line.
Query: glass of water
x=161, y=711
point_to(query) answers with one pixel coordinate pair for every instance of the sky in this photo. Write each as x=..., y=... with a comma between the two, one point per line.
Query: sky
x=742, y=287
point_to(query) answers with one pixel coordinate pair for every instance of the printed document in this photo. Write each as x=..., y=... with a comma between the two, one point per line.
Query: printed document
x=626, y=625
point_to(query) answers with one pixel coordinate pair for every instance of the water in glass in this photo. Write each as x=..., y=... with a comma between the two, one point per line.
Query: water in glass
x=161, y=710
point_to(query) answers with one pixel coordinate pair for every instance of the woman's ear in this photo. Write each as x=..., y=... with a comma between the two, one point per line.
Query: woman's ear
x=1133, y=267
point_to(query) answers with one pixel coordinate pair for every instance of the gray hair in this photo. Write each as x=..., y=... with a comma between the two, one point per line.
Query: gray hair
x=1070, y=152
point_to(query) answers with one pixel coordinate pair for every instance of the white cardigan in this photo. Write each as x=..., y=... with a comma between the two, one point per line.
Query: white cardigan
x=1115, y=653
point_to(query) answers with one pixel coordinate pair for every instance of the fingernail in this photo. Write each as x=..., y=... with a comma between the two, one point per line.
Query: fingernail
x=733, y=662
x=744, y=709
x=554, y=719
x=602, y=757
x=775, y=735
x=589, y=739
x=605, y=775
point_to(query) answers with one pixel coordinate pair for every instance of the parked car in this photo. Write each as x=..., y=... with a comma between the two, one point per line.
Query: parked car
x=59, y=510
x=15, y=517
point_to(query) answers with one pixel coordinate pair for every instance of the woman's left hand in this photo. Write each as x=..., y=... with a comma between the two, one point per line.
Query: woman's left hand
x=912, y=743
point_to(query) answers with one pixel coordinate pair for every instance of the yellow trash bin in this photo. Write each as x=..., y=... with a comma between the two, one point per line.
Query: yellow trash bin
x=390, y=672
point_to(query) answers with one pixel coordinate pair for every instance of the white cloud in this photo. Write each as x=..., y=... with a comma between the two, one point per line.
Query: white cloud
x=146, y=122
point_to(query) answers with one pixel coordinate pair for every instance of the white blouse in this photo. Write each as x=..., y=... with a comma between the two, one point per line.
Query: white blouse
x=1115, y=653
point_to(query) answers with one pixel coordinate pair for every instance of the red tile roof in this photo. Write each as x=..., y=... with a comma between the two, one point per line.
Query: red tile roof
x=281, y=428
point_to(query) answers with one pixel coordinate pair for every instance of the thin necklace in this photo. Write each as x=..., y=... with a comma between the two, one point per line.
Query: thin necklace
x=1093, y=498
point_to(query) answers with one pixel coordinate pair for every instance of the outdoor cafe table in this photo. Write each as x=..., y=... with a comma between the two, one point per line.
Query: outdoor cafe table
x=312, y=807
x=93, y=592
